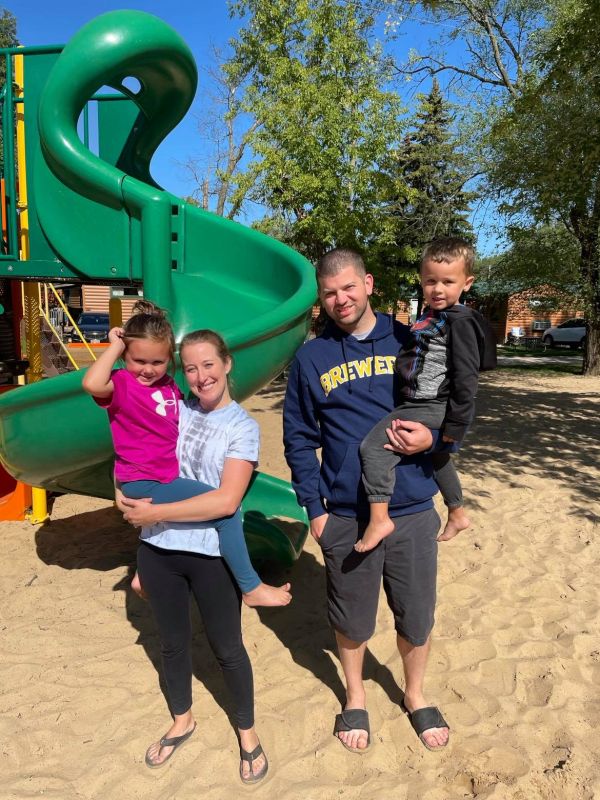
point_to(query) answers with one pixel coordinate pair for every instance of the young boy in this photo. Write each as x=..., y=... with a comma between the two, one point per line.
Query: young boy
x=438, y=372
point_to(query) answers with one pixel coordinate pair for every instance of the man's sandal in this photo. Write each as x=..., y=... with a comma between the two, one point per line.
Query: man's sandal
x=353, y=719
x=423, y=719
x=249, y=758
x=174, y=742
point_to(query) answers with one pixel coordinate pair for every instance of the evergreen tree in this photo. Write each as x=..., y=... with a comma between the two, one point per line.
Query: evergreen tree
x=424, y=181
x=8, y=38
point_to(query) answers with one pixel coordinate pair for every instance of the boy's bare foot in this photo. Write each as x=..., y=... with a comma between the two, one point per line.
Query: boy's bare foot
x=375, y=532
x=265, y=595
x=457, y=522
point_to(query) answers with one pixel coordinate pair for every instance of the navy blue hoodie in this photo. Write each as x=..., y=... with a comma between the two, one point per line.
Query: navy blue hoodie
x=338, y=389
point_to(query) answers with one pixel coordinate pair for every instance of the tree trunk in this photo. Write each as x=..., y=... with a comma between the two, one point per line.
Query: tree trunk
x=591, y=358
x=589, y=266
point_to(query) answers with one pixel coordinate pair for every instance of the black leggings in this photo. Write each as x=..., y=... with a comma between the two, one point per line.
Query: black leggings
x=167, y=577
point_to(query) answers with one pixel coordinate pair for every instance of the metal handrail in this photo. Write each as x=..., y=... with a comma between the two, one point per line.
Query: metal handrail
x=65, y=349
x=72, y=321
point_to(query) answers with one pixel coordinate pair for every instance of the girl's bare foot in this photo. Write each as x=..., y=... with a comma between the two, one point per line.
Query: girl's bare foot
x=457, y=522
x=265, y=595
x=375, y=532
x=137, y=587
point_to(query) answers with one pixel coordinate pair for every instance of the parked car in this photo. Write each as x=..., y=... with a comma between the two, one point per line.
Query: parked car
x=571, y=332
x=93, y=325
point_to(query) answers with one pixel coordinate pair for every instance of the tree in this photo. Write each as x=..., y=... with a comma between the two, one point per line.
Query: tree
x=546, y=153
x=536, y=61
x=326, y=124
x=541, y=255
x=226, y=131
x=495, y=42
x=542, y=261
x=426, y=193
x=8, y=38
x=482, y=53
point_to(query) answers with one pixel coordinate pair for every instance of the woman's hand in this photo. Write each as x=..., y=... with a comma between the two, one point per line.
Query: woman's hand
x=119, y=500
x=140, y=513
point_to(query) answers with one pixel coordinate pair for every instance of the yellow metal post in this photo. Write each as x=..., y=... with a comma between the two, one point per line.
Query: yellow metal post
x=21, y=177
x=39, y=506
x=31, y=293
x=31, y=315
x=115, y=312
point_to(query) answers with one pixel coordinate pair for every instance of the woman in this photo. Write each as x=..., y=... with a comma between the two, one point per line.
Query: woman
x=218, y=445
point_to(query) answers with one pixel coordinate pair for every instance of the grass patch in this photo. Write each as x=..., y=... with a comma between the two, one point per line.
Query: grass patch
x=564, y=360
x=543, y=368
x=549, y=352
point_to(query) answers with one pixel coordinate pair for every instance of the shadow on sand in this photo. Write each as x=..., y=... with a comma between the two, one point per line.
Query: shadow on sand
x=100, y=540
x=551, y=434
x=547, y=433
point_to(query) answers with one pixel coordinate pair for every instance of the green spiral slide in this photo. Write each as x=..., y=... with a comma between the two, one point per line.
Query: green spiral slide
x=101, y=217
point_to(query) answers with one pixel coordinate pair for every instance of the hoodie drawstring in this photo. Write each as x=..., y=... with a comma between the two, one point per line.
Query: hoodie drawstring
x=345, y=357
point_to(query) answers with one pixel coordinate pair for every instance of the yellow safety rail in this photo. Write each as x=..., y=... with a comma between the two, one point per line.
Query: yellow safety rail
x=45, y=314
x=71, y=320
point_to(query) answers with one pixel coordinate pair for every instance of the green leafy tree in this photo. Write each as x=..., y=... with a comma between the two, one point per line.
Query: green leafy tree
x=541, y=255
x=546, y=149
x=426, y=194
x=530, y=69
x=315, y=82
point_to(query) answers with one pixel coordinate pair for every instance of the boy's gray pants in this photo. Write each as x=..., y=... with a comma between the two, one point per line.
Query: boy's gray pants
x=378, y=464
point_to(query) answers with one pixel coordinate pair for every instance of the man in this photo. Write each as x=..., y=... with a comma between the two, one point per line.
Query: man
x=340, y=386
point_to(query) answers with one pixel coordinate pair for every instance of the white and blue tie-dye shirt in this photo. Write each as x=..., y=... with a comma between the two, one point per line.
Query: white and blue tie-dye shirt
x=206, y=439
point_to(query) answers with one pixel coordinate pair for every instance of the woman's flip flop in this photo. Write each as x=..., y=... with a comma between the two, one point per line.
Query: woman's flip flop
x=249, y=758
x=174, y=742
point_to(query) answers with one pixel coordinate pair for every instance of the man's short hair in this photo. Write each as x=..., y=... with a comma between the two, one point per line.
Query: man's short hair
x=449, y=248
x=338, y=259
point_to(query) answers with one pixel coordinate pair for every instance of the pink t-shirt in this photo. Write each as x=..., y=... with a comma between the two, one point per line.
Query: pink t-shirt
x=144, y=423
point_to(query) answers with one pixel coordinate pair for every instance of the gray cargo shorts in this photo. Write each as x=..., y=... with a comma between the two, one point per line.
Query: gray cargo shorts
x=406, y=561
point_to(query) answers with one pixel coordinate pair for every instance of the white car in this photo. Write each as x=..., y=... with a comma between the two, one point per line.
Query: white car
x=571, y=332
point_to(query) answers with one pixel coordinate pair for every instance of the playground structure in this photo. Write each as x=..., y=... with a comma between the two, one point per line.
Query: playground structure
x=72, y=214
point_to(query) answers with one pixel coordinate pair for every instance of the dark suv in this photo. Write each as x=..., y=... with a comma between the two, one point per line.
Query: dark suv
x=93, y=325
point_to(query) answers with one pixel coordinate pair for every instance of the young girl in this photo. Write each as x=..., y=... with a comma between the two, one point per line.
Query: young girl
x=142, y=401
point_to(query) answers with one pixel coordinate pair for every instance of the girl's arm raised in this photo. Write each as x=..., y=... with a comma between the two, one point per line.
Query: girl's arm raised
x=96, y=380
x=221, y=502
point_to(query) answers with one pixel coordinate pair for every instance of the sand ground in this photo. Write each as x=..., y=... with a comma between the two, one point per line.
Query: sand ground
x=515, y=665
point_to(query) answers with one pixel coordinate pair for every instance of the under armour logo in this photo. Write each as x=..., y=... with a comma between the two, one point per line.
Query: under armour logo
x=161, y=408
